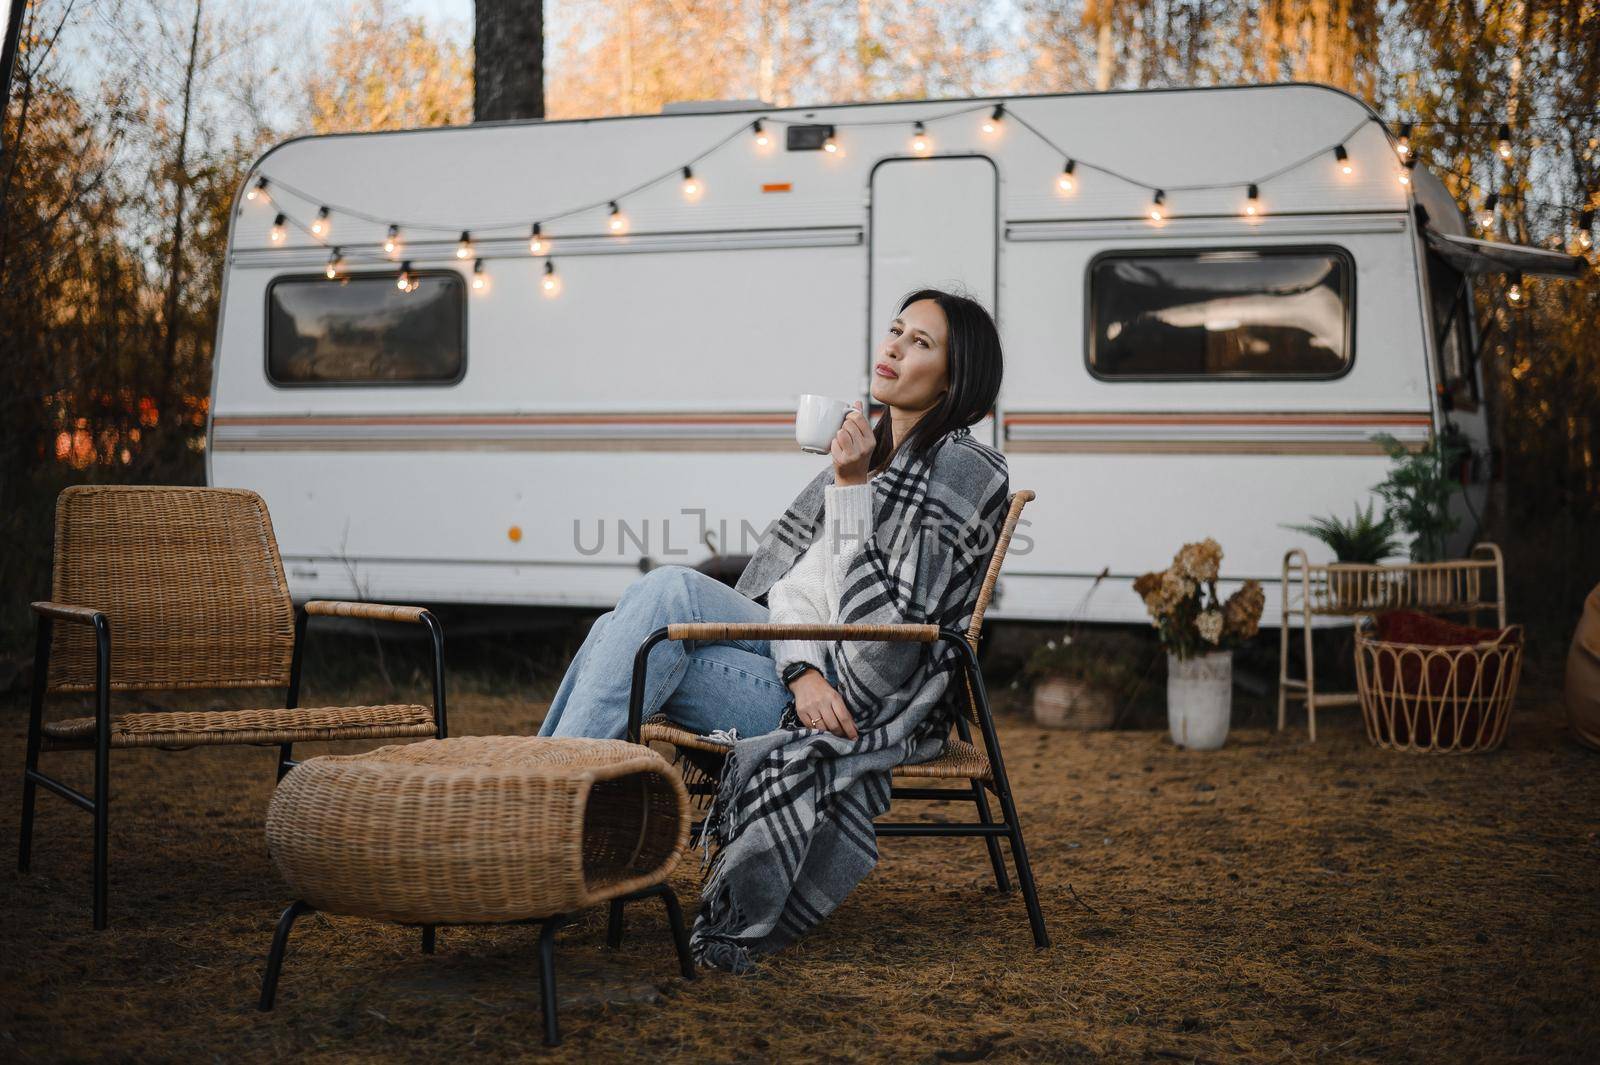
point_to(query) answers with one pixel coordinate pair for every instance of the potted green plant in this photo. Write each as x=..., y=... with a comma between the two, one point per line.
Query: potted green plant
x=1077, y=679
x=1358, y=545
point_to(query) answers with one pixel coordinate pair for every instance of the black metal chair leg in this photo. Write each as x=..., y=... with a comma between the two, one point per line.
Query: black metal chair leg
x=547, y=978
x=280, y=940
x=614, y=925
x=1001, y=879
x=680, y=937
x=286, y=760
x=102, y=795
x=427, y=939
x=30, y=787
x=1019, y=853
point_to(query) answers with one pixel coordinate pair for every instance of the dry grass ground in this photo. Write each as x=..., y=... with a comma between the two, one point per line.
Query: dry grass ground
x=1274, y=901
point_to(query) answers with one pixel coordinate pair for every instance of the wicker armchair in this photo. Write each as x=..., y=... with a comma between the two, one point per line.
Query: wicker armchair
x=981, y=768
x=191, y=582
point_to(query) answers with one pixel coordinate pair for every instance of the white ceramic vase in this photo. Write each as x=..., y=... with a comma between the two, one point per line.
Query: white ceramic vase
x=1199, y=699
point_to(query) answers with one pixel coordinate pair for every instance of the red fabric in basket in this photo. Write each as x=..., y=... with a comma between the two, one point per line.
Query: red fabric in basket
x=1417, y=627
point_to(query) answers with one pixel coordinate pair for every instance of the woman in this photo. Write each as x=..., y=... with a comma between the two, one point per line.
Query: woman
x=911, y=509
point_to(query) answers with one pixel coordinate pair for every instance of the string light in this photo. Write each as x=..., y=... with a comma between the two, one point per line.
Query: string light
x=551, y=282
x=259, y=191
x=1252, y=201
x=1065, y=182
x=278, y=232
x=480, y=280
x=1403, y=145
x=919, y=139
x=1514, y=294
x=538, y=244
x=1342, y=158
x=1405, y=170
x=1486, y=212
x=992, y=124
x=391, y=243
x=619, y=221
x=405, y=282
x=1503, y=141
x=1157, y=208
x=1586, y=228
x=763, y=140
x=335, y=264
x=464, y=250
x=691, y=185
x=831, y=143
x=321, y=224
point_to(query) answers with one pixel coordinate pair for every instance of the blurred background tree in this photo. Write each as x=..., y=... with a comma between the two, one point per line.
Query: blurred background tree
x=132, y=122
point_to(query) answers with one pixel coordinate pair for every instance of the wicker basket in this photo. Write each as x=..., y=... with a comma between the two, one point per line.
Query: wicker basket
x=1060, y=702
x=478, y=828
x=1437, y=698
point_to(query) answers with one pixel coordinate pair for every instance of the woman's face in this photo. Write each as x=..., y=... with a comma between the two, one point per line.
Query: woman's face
x=911, y=370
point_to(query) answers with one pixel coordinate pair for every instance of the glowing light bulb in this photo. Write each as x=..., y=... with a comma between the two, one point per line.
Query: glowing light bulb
x=480, y=280
x=1252, y=202
x=1065, y=181
x=1503, y=141
x=1405, y=171
x=830, y=144
x=258, y=191
x=619, y=221
x=1341, y=158
x=1514, y=294
x=1486, y=212
x=995, y=121
x=464, y=250
x=691, y=185
x=551, y=282
x=391, y=243
x=405, y=282
x=278, y=232
x=1586, y=228
x=763, y=139
x=538, y=244
x=321, y=224
x=1403, y=145
x=335, y=264
x=1158, y=206
x=919, y=140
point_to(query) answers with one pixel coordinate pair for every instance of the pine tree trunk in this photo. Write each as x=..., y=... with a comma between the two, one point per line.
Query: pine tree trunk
x=508, y=60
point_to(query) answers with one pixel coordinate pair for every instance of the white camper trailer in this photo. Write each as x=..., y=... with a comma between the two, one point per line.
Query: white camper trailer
x=547, y=355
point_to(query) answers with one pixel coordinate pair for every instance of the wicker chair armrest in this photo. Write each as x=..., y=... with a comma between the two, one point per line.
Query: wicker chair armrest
x=82, y=615
x=329, y=608
x=713, y=630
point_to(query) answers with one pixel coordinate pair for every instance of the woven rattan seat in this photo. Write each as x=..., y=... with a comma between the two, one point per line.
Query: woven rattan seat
x=961, y=760
x=479, y=829
x=199, y=728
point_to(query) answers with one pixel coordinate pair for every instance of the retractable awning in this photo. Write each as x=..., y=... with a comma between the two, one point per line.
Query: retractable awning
x=1472, y=256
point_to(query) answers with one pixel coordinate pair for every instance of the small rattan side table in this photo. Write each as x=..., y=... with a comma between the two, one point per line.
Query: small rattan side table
x=479, y=830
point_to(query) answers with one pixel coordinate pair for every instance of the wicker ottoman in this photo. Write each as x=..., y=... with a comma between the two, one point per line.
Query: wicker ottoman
x=479, y=830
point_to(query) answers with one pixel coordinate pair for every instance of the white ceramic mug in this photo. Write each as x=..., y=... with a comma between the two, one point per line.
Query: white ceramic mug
x=816, y=422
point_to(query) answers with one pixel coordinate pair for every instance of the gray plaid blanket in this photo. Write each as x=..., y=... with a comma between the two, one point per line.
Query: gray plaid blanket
x=792, y=817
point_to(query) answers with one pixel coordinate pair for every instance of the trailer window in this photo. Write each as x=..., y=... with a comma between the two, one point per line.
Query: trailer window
x=1223, y=313
x=1450, y=298
x=363, y=330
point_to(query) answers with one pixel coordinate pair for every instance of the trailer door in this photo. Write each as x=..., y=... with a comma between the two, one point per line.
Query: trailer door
x=934, y=223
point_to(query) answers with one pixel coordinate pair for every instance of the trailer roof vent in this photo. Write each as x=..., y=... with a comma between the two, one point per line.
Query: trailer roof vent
x=687, y=107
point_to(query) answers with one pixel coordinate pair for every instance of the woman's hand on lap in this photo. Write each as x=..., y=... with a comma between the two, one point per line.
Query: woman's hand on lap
x=817, y=705
x=852, y=449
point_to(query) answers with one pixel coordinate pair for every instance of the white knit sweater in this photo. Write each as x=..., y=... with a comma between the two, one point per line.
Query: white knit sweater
x=809, y=592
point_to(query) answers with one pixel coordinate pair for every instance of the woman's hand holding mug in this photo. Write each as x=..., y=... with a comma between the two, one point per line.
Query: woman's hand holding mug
x=852, y=448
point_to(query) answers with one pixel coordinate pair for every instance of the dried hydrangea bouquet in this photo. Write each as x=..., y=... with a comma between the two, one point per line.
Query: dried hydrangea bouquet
x=1199, y=632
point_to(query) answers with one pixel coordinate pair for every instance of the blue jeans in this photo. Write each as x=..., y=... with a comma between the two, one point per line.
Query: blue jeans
x=702, y=685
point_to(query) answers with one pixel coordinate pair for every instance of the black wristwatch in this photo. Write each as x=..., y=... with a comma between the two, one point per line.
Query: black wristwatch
x=792, y=671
